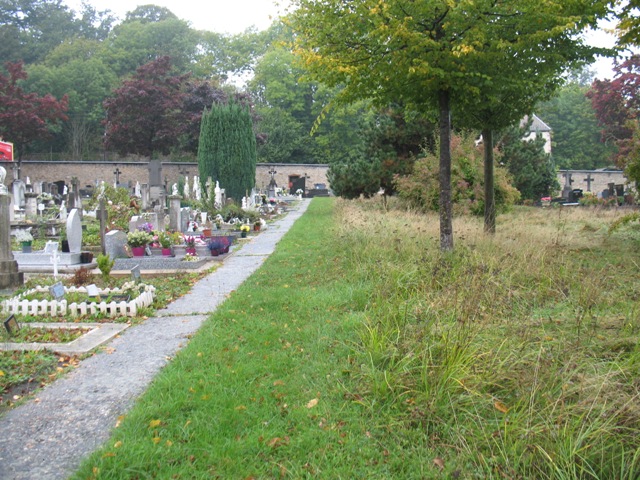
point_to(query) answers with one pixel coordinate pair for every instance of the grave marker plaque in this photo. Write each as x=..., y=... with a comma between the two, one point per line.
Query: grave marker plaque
x=57, y=291
x=12, y=325
x=135, y=273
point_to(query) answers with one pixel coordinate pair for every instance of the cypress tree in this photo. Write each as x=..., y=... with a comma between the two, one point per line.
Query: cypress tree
x=227, y=148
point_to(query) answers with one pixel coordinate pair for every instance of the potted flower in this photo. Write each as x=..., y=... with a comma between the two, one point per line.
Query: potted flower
x=190, y=244
x=137, y=240
x=165, y=243
x=244, y=229
x=25, y=238
x=256, y=225
x=215, y=247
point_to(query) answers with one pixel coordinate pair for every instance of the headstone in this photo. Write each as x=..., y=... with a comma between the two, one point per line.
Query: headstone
x=93, y=291
x=37, y=187
x=185, y=218
x=31, y=204
x=175, y=220
x=155, y=173
x=74, y=232
x=135, y=273
x=185, y=191
x=19, y=191
x=134, y=222
x=114, y=244
x=63, y=212
x=9, y=274
x=145, y=195
x=12, y=212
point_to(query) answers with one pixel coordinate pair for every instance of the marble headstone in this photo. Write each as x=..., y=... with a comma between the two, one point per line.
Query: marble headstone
x=114, y=244
x=74, y=231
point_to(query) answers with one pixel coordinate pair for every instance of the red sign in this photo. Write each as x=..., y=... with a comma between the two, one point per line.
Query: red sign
x=6, y=151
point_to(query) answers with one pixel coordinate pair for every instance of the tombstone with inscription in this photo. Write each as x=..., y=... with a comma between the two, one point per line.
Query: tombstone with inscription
x=114, y=244
x=74, y=232
x=9, y=274
x=19, y=191
x=185, y=218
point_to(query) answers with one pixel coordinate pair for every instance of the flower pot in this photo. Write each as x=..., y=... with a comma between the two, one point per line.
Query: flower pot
x=65, y=246
x=190, y=250
x=256, y=228
x=137, y=251
x=166, y=252
x=206, y=233
x=243, y=234
x=26, y=247
x=215, y=252
x=86, y=257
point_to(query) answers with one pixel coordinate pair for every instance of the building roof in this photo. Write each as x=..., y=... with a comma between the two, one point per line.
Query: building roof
x=537, y=125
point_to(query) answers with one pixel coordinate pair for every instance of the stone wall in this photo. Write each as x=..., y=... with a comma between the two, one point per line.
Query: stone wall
x=600, y=179
x=89, y=173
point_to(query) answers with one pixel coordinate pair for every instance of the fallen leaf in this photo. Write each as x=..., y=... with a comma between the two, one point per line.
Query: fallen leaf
x=109, y=350
x=1, y=373
x=500, y=406
x=119, y=420
x=156, y=440
x=169, y=443
x=241, y=407
x=438, y=462
x=108, y=454
x=312, y=403
x=278, y=383
x=118, y=444
x=154, y=423
x=199, y=354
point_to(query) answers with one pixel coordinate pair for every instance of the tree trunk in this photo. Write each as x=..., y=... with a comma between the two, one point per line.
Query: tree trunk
x=489, y=191
x=446, y=217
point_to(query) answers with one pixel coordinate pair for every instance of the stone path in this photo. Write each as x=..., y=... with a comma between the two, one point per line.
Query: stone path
x=48, y=437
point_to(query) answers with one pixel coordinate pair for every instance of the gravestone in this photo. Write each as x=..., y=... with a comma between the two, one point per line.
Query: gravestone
x=19, y=190
x=114, y=244
x=174, y=212
x=145, y=196
x=74, y=232
x=9, y=274
x=134, y=223
x=31, y=204
x=185, y=217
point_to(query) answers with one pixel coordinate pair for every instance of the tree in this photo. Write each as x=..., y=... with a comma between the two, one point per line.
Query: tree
x=355, y=178
x=431, y=53
x=617, y=106
x=26, y=117
x=145, y=116
x=227, y=148
x=533, y=173
x=576, y=135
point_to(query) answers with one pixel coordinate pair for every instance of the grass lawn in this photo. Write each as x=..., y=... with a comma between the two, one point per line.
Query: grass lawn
x=359, y=350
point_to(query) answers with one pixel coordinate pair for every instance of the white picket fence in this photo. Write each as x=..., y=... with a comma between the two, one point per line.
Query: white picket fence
x=54, y=308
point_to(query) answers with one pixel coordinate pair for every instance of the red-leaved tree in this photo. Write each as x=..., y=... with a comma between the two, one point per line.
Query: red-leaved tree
x=26, y=117
x=145, y=115
x=617, y=106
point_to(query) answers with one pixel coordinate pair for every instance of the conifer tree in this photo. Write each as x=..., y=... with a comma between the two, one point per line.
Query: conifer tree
x=227, y=148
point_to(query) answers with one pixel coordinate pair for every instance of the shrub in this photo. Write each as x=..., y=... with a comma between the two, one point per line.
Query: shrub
x=82, y=276
x=105, y=264
x=421, y=188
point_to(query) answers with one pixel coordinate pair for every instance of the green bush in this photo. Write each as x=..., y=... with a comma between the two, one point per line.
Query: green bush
x=421, y=188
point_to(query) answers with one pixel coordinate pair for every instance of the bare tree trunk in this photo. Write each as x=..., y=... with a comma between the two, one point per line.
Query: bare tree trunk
x=489, y=191
x=446, y=216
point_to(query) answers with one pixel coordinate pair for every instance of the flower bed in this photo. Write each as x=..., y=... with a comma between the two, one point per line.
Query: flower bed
x=54, y=308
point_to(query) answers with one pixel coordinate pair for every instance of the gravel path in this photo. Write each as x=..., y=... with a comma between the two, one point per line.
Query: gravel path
x=47, y=437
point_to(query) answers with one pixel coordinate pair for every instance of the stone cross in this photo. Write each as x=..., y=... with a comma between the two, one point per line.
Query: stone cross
x=102, y=215
x=589, y=179
x=117, y=173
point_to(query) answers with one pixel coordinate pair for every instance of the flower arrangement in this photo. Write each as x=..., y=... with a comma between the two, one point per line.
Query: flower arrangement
x=139, y=238
x=191, y=257
x=245, y=228
x=24, y=236
x=190, y=241
x=146, y=227
x=299, y=191
x=164, y=240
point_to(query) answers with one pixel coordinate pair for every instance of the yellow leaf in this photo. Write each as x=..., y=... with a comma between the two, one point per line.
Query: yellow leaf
x=500, y=406
x=169, y=443
x=118, y=444
x=156, y=440
x=119, y=420
x=108, y=454
x=1, y=373
x=154, y=423
x=199, y=354
x=241, y=407
x=438, y=462
x=312, y=403
x=278, y=383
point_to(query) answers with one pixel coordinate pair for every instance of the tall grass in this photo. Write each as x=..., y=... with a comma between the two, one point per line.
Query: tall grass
x=523, y=364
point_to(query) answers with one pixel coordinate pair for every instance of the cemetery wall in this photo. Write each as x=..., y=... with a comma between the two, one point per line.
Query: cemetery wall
x=600, y=179
x=88, y=173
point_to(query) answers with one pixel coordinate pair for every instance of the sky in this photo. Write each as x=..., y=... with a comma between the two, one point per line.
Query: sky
x=222, y=16
x=235, y=16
